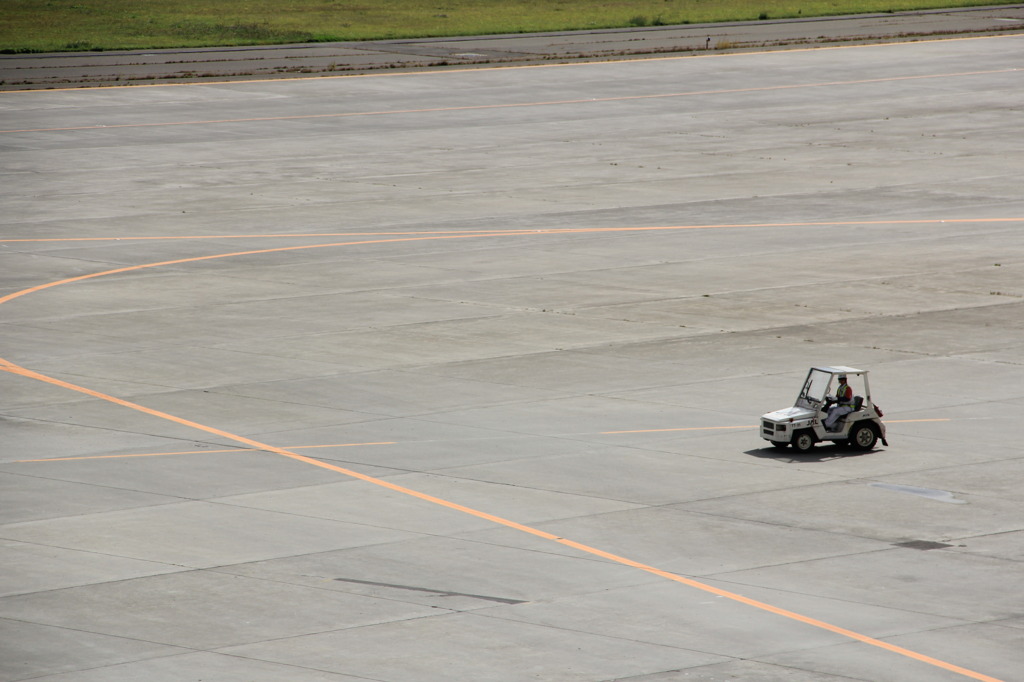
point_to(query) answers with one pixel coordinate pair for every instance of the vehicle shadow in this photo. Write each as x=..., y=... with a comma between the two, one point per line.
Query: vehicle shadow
x=820, y=453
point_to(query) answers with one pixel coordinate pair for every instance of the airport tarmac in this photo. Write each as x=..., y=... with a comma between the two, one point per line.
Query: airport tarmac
x=455, y=375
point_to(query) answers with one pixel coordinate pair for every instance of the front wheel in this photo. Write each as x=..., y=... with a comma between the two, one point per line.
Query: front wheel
x=803, y=441
x=863, y=437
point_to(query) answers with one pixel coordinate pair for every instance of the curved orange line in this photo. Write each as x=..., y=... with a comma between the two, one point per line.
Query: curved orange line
x=509, y=232
x=13, y=368
x=440, y=233
x=194, y=259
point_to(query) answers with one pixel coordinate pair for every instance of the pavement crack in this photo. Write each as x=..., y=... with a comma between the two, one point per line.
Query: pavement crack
x=441, y=593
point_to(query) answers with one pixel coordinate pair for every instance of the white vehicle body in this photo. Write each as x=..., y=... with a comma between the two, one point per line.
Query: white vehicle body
x=803, y=425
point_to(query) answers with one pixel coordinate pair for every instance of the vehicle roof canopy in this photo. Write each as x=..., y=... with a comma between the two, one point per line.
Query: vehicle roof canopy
x=841, y=369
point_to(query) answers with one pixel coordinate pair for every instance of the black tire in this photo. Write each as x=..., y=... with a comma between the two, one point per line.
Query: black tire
x=863, y=436
x=803, y=441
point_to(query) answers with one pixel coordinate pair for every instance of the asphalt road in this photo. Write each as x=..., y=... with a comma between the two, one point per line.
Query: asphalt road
x=78, y=69
x=456, y=374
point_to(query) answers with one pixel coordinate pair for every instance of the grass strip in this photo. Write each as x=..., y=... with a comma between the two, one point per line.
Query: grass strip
x=83, y=25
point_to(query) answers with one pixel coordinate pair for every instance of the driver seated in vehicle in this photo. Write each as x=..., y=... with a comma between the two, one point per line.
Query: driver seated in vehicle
x=842, y=404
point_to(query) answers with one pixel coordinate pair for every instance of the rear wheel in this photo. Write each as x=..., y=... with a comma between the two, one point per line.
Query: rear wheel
x=803, y=441
x=863, y=437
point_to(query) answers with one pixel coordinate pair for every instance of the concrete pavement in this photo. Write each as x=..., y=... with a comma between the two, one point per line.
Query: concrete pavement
x=456, y=375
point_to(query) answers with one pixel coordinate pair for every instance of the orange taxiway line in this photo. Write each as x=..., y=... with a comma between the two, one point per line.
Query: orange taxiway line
x=13, y=368
x=194, y=259
x=507, y=233
x=390, y=442
x=685, y=428
x=754, y=426
x=512, y=105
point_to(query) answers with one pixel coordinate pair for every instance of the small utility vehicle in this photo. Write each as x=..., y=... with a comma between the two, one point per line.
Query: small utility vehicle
x=803, y=425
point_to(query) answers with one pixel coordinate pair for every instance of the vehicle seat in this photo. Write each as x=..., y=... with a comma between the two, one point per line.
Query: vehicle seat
x=858, y=402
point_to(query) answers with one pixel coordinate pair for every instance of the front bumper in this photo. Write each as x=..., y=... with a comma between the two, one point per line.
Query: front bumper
x=779, y=426
x=775, y=432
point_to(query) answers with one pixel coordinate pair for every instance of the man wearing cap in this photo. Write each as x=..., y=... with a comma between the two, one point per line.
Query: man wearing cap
x=843, y=404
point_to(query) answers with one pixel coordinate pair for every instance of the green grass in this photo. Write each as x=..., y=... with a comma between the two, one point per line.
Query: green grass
x=65, y=25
